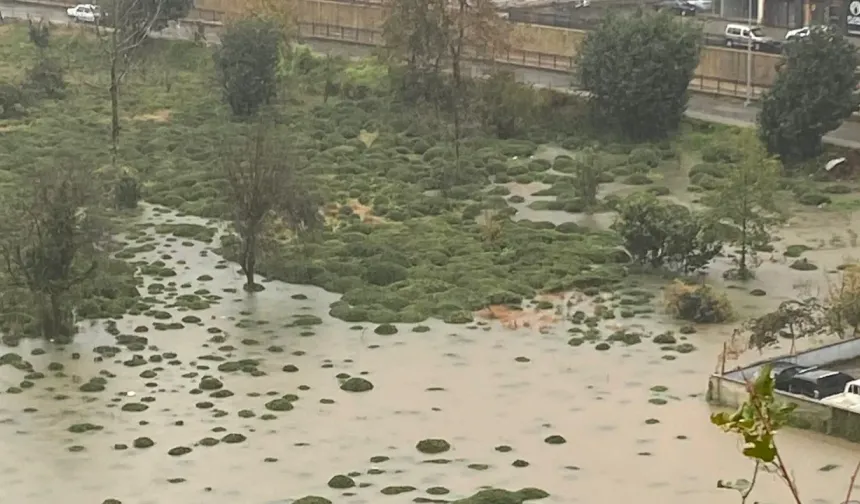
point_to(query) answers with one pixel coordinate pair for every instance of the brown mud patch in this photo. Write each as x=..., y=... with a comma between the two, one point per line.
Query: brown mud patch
x=513, y=318
x=159, y=116
x=9, y=127
x=364, y=212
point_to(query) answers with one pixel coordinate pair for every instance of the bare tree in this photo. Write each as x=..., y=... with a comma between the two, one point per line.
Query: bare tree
x=433, y=36
x=126, y=25
x=49, y=243
x=793, y=319
x=473, y=24
x=264, y=186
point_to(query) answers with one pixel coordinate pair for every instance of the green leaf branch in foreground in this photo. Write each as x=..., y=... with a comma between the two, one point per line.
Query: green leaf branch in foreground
x=757, y=422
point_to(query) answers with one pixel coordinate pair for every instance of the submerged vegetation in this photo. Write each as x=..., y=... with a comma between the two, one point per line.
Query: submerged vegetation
x=416, y=223
x=402, y=190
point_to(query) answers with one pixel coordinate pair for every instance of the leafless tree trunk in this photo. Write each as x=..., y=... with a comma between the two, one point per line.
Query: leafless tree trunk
x=120, y=44
x=264, y=185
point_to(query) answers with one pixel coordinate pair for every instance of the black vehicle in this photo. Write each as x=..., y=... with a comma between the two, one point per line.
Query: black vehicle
x=679, y=7
x=818, y=383
x=783, y=371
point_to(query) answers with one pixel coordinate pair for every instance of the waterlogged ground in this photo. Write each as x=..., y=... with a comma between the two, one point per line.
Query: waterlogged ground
x=216, y=396
x=633, y=417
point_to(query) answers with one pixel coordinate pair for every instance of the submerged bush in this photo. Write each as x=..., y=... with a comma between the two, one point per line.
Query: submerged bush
x=127, y=192
x=697, y=303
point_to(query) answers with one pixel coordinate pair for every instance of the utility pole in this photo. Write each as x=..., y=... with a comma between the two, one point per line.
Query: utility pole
x=749, y=55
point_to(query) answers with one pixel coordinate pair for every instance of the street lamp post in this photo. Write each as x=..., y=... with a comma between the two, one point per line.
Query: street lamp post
x=749, y=55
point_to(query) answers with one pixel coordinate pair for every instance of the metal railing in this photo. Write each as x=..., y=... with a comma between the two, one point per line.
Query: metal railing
x=364, y=36
x=581, y=22
x=725, y=87
x=519, y=58
x=560, y=20
x=209, y=15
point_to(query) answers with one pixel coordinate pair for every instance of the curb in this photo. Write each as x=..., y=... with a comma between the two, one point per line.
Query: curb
x=44, y=3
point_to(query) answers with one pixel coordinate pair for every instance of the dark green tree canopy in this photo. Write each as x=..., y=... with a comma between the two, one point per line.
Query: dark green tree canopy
x=812, y=95
x=662, y=234
x=247, y=64
x=637, y=69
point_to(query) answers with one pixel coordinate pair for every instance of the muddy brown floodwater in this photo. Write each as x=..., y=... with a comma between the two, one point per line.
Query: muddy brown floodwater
x=635, y=422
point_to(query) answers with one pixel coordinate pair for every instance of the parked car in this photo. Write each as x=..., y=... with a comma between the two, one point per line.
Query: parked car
x=818, y=383
x=782, y=371
x=84, y=13
x=742, y=35
x=702, y=5
x=802, y=33
x=680, y=7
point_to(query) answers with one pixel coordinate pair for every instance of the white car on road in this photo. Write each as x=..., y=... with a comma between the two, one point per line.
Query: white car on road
x=84, y=13
x=802, y=33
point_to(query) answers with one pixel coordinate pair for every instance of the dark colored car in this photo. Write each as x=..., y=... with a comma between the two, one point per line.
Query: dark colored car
x=818, y=383
x=782, y=372
x=679, y=7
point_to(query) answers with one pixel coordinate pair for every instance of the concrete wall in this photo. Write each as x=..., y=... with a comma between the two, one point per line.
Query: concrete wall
x=715, y=63
x=361, y=16
x=546, y=39
x=824, y=356
x=731, y=64
x=809, y=414
x=730, y=390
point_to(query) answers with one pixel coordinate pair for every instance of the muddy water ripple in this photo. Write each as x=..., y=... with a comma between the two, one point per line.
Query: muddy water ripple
x=479, y=388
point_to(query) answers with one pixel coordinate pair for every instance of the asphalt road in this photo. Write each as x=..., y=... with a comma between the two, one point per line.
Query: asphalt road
x=703, y=107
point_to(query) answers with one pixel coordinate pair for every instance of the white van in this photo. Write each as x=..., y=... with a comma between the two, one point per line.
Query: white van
x=738, y=35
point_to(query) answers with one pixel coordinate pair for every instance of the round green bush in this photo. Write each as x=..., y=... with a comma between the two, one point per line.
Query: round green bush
x=644, y=155
x=837, y=189
x=347, y=313
x=803, y=265
x=569, y=227
x=420, y=146
x=813, y=199
x=563, y=164
x=504, y=298
x=637, y=179
x=721, y=152
x=605, y=177
x=499, y=190
x=385, y=329
x=706, y=182
x=714, y=170
x=539, y=165
x=382, y=273
x=659, y=190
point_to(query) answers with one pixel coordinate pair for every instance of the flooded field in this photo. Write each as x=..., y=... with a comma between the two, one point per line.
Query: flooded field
x=201, y=393
x=519, y=407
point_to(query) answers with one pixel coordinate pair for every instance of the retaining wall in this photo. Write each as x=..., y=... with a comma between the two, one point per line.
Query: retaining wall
x=716, y=63
x=729, y=390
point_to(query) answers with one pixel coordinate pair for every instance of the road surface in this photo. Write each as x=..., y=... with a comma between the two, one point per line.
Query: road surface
x=703, y=107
